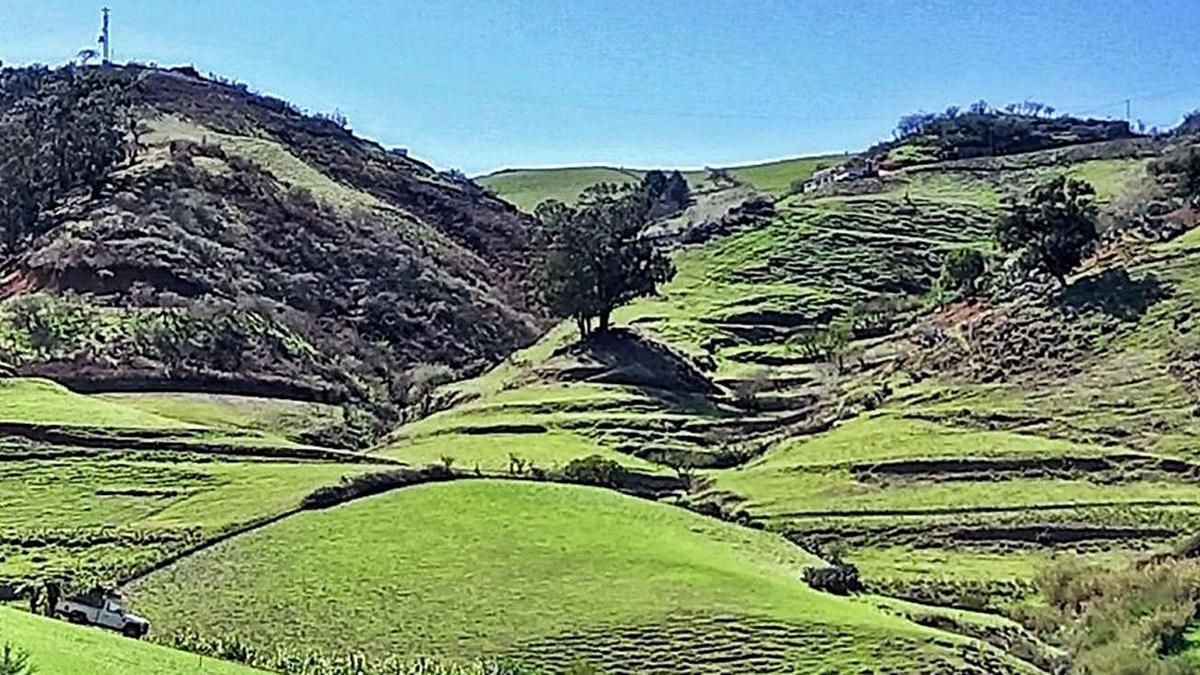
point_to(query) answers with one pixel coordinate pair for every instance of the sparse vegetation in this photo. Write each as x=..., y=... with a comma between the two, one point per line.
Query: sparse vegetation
x=15, y=661
x=1131, y=620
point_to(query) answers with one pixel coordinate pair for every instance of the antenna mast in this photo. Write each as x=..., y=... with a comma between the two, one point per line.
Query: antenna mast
x=104, y=35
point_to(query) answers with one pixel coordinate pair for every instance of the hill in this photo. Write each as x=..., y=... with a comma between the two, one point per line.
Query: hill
x=950, y=450
x=526, y=188
x=98, y=488
x=211, y=320
x=58, y=648
x=546, y=574
x=234, y=245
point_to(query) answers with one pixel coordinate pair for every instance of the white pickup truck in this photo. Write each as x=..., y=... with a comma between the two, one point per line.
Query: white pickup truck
x=104, y=610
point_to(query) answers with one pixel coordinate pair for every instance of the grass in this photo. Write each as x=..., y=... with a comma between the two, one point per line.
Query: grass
x=776, y=178
x=490, y=452
x=269, y=154
x=526, y=188
x=277, y=418
x=42, y=402
x=879, y=438
x=112, y=517
x=59, y=648
x=496, y=567
x=551, y=573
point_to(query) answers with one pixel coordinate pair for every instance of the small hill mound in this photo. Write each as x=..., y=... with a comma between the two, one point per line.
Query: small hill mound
x=625, y=357
x=544, y=573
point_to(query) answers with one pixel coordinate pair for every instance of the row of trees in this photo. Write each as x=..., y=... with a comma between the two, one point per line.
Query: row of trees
x=921, y=122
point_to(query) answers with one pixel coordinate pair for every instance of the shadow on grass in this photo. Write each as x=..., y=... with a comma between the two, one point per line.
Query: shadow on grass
x=1113, y=292
x=624, y=357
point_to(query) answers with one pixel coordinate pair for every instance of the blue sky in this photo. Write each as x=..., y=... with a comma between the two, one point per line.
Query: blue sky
x=483, y=85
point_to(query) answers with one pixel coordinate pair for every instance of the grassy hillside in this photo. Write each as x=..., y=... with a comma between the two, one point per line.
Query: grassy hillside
x=526, y=188
x=544, y=573
x=98, y=488
x=58, y=648
x=950, y=452
x=245, y=294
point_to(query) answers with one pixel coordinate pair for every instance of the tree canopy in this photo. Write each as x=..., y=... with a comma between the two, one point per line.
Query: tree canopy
x=668, y=193
x=1052, y=226
x=961, y=271
x=597, y=255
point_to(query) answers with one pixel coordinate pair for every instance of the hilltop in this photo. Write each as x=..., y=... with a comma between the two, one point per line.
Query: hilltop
x=526, y=188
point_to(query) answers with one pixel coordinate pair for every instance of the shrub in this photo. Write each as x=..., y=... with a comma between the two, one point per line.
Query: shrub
x=594, y=470
x=747, y=391
x=961, y=271
x=1180, y=169
x=839, y=579
x=364, y=485
x=1052, y=226
x=516, y=464
x=14, y=661
x=1131, y=620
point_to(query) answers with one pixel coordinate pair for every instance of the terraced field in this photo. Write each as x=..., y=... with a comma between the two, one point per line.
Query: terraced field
x=548, y=574
x=96, y=488
x=950, y=453
x=799, y=377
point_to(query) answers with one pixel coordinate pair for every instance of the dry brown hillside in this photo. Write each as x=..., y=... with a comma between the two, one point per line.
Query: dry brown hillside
x=240, y=245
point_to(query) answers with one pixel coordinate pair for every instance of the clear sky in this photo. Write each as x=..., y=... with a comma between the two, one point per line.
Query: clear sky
x=502, y=83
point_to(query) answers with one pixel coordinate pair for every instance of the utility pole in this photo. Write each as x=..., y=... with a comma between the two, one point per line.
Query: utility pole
x=104, y=36
x=1127, y=116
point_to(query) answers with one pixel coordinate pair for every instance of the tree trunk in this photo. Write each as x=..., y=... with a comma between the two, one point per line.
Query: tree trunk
x=604, y=320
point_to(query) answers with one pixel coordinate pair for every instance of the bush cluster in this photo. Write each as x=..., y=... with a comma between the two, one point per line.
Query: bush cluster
x=1131, y=620
x=595, y=470
x=840, y=578
x=367, y=484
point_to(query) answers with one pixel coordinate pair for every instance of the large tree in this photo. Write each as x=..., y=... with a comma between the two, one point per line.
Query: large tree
x=597, y=255
x=1052, y=226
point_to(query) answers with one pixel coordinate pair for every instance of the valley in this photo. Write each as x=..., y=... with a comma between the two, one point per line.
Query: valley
x=301, y=400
